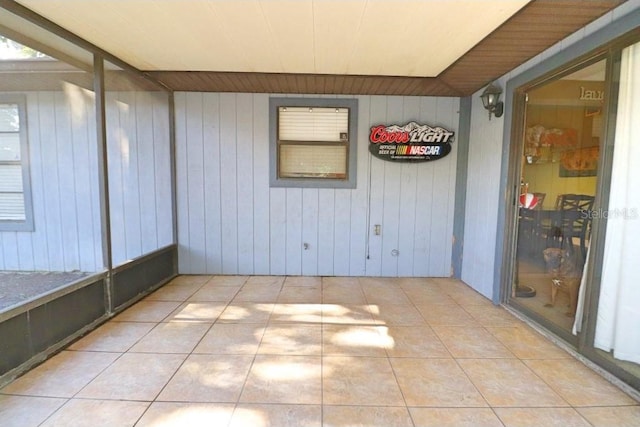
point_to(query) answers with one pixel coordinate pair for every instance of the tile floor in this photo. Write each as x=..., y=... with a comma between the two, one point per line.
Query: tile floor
x=309, y=351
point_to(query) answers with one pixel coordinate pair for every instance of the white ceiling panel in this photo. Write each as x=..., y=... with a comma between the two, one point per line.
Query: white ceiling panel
x=362, y=37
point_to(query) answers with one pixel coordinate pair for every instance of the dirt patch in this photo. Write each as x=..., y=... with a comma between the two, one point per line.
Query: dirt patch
x=16, y=287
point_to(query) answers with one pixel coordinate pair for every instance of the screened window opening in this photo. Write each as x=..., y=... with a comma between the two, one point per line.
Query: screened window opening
x=314, y=143
x=12, y=199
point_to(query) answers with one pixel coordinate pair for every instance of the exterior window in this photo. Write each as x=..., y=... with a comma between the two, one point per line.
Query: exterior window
x=313, y=142
x=15, y=208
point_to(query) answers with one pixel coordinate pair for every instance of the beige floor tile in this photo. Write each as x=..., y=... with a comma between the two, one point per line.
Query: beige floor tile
x=380, y=282
x=340, y=281
x=23, y=411
x=342, y=290
x=366, y=416
x=284, y=379
x=271, y=281
x=174, y=337
x=359, y=381
x=385, y=294
x=147, y=311
x=466, y=296
x=389, y=296
x=342, y=294
x=300, y=294
x=103, y=413
x=306, y=281
x=113, y=336
x=490, y=315
x=246, y=312
x=577, y=384
x=408, y=283
x=435, y=382
x=236, y=281
x=258, y=293
x=452, y=286
x=292, y=339
x=366, y=343
x=428, y=297
x=195, y=312
x=188, y=279
x=446, y=315
x=349, y=314
x=255, y=415
x=618, y=416
x=174, y=292
x=509, y=383
x=354, y=340
x=135, y=376
x=396, y=314
x=212, y=292
x=208, y=378
x=527, y=344
x=454, y=417
x=413, y=341
x=300, y=313
x=536, y=417
x=231, y=338
x=63, y=375
x=177, y=414
x=471, y=342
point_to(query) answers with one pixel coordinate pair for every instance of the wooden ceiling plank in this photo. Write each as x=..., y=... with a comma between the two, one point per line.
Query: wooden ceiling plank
x=549, y=20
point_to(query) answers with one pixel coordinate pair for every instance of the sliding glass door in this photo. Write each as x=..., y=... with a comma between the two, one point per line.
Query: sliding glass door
x=561, y=142
x=575, y=248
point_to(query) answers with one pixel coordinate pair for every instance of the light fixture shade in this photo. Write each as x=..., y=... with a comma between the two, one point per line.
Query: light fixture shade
x=491, y=100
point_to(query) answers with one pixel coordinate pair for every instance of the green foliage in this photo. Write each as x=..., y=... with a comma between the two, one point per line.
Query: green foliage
x=14, y=50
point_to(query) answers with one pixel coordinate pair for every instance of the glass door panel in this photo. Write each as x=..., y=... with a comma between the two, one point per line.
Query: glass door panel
x=563, y=134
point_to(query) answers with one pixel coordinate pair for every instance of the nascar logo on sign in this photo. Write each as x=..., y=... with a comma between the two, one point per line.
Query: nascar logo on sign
x=410, y=143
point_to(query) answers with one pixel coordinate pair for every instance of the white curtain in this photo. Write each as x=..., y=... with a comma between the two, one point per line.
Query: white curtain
x=618, y=322
x=577, y=323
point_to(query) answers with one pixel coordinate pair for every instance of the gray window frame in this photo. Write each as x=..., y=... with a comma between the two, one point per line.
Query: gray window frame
x=27, y=224
x=350, y=181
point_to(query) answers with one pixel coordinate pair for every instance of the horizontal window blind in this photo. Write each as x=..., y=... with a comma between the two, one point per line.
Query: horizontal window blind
x=12, y=207
x=313, y=124
x=317, y=161
x=10, y=178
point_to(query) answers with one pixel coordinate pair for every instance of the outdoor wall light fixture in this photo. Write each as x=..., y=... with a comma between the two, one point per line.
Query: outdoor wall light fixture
x=491, y=100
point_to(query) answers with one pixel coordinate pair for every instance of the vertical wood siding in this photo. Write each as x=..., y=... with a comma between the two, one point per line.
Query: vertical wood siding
x=65, y=189
x=64, y=186
x=231, y=222
x=139, y=173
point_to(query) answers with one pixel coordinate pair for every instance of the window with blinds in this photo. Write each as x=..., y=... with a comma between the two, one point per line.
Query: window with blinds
x=313, y=143
x=12, y=201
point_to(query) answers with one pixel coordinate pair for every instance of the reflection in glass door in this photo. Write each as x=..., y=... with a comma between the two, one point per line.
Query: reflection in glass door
x=561, y=143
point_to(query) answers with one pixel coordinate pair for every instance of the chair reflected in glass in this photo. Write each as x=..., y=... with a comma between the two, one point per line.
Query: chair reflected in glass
x=571, y=220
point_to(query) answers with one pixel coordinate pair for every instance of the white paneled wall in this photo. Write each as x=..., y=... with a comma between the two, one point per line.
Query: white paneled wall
x=65, y=189
x=139, y=173
x=64, y=185
x=231, y=222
